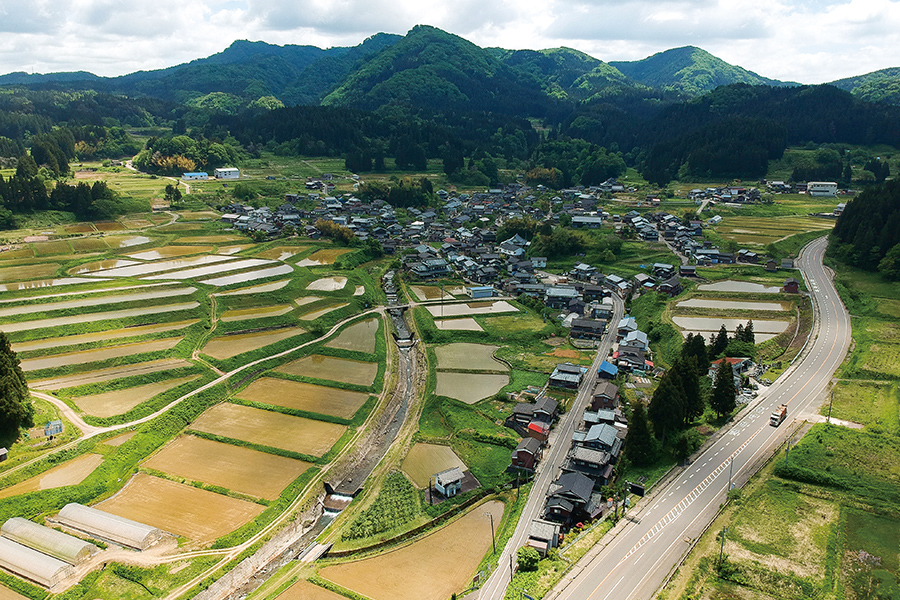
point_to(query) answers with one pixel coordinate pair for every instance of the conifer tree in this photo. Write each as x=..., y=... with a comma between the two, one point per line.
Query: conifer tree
x=640, y=447
x=15, y=404
x=724, y=396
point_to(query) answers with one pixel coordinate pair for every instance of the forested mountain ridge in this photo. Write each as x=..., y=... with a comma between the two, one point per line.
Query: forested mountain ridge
x=877, y=86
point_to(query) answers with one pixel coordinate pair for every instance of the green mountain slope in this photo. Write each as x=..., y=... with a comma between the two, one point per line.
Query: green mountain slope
x=877, y=86
x=433, y=69
x=689, y=70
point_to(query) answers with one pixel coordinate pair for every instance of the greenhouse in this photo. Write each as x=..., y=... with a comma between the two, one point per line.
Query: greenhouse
x=30, y=564
x=106, y=526
x=66, y=548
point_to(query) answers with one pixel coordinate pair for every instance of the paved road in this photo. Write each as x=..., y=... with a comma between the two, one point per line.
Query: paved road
x=549, y=468
x=640, y=552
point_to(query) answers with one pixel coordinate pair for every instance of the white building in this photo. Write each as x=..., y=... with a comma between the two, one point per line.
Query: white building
x=822, y=188
x=227, y=173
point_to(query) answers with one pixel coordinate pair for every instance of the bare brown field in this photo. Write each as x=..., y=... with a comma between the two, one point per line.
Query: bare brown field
x=302, y=590
x=227, y=346
x=26, y=272
x=234, y=468
x=8, y=594
x=199, y=215
x=332, y=369
x=70, y=473
x=472, y=357
x=268, y=428
x=424, y=460
x=201, y=516
x=18, y=253
x=327, y=284
x=463, y=324
x=305, y=396
x=118, y=402
x=430, y=292
x=72, y=340
x=98, y=354
x=359, y=337
x=109, y=226
x=153, y=366
x=433, y=568
x=79, y=227
x=261, y=312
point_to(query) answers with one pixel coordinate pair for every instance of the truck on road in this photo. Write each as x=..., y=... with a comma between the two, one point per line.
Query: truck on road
x=778, y=415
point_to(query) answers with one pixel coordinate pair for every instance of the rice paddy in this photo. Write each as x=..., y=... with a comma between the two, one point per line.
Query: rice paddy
x=99, y=265
x=430, y=292
x=469, y=387
x=145, y=269
x=312, y=316
x=171, y=252
x=27, y=272
x=301, y=590
x=70, y=473
x=205, y=271
x=761, y=231
x=739, y=286
x=328, y=284
x=227, y=466
x=267, y=428
x=359, y=337
x=308, y=300
x=305, y=396
x=433, y=568
x=281, y=252
x=226, y=346
x=249, y=276
x=471, y=308
x=731, y=304
x=762, y=329
x=97, y=354
x=257, y=289
x=325, y=256
x=202, y=516
x=108, y=374
x=209, y=239
x=463, y=324
x=470, y=357
x=73, y=340
x=261, y=312
x=126, y=241
x=42, y=283
x=118, y=402
x=425, y=460
x=332, y=369
x=94, y=300
x=117, y=441
x=100, y=316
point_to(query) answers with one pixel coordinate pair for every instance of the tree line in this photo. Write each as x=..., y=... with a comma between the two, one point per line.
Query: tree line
x=868, y=230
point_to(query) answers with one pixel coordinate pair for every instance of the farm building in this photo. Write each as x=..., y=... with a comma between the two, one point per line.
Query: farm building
x=53, y=428
x=481, y=291
x=48, y=541
x=110, y=527
x=227, y=173
x=195, y=175
x=449, y=482
x=822, y=188
x=4, y=454
x=32, y=565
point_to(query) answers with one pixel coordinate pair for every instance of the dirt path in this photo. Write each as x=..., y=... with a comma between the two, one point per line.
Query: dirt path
x=195, y=354
x=312, y=166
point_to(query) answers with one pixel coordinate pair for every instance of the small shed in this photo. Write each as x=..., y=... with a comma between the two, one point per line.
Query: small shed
x=32, y=565
x=4, y=454
x=480, y=291
x=106, y=526
x=791, y=286
x=48, y=541
x=449, y=482
x=53, y=428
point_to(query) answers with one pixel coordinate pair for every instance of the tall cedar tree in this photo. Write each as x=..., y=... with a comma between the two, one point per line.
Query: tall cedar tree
x=640, y=447
x=724, y=395
x=667, y=405
x=695, y=346
x=15, y=404
x=718, y=343
x=686, y=370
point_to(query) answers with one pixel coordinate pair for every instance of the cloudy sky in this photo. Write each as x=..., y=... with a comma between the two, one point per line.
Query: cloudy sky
x=810, y=41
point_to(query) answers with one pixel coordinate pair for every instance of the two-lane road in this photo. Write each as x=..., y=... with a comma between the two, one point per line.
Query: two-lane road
x=635, y=562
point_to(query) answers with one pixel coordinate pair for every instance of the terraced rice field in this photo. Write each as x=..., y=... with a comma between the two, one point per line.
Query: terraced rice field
x=249, y=276
x=97, y=354
x=27, y=272
x=205, y=271
x=70, y=473
x=201, y=516
x=100, y=375
x=267, y=428
x=730, y=304
x=119, y=402
x=433, y=568
x=261, y=312
x=42, y=283
x=739, y=286
x=257, y=289
x=231, y=467
x=305, y=396
x=326, y=256
x=109, y=226
x=94, y=300
x=171, y=252
x=229, y=250
x=308, y=300
x=359, y=337
x=471, y=308
x=178, y=226
x=463, y=324
x=100, y=316
x=762, y=231
x=430, y=292
x=301, y=590
x=332, y=369
x=145, y=269
x=52, y=248
x=469, y=357
x=281, y=252
x=312, y=316
x=424, y=460
x=209, y=239
x=88, y=245
x=126, y=241
x=115, y=334
x=469, y=387
x=99, y=265
x=226, y=346
x=327, y=284
x=762, y=329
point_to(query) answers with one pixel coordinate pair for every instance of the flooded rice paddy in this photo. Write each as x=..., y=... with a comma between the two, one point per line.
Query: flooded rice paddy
x=470, y=357
x=144, y=269
x=42, y=283
x=471, y=308
x=202, y=516
x=126, y=241
x=229, y=250
x=734, y=304
x=257, y=289
x=97, y=301
x=249, y=276
x=311, y=316
x=281, y=252
x=101, y=375
x=97, y=336
x=119, y=402
x=171, y=252
x=359, y=337
x=360, y=290
x=327, y=284
x=226, y=346
x=308, y=300
x=762, y=329
x=469, y=387
x=424, y=460
x=430, y=292
x=99, y=265
x=100, y=316
x=228, y=466
x=199, y=272
x=209, y=239
x=268, y=428
x=332, y=369
x=245, y=314
x=433, y=568
x=305, y=396
x=739, y=286
x=463, y=324
x=97, y=354
x=70, y=473
x=326, y=256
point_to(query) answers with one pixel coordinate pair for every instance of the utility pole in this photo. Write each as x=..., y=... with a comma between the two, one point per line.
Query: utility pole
x=830, y=403
x=511, y=570
x=493, y=539
x=722, y=546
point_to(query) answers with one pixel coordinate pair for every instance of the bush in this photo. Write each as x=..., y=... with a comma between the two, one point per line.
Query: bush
x=527, y=559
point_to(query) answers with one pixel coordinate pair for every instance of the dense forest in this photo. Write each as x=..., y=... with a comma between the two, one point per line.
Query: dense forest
x=869, y=230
